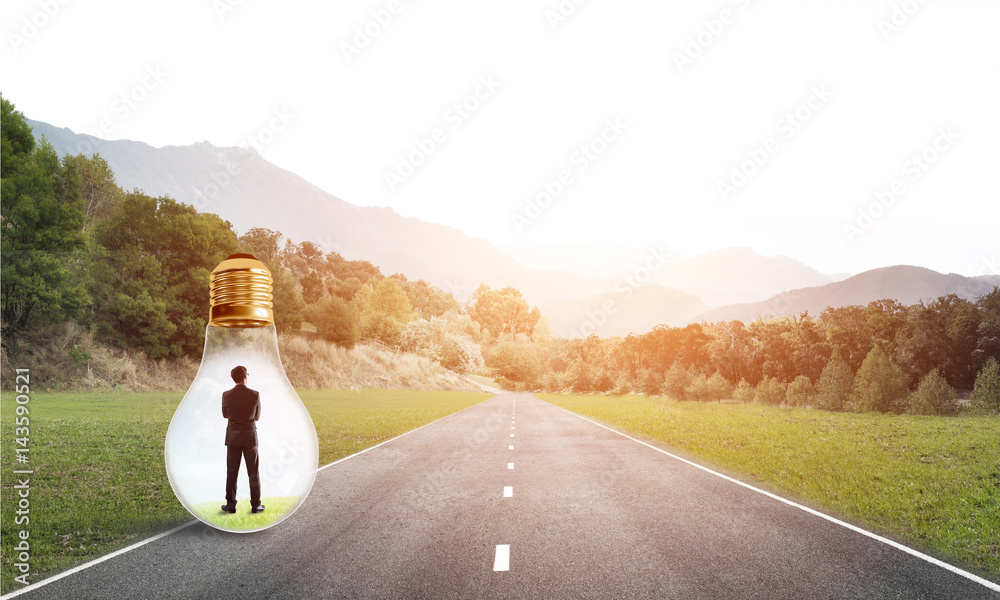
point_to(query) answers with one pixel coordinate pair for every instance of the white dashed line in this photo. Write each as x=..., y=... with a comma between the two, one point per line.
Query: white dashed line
x=512, y=435
x=501, y=562
x=508, y=491
x=510, y=465
x=510, y=447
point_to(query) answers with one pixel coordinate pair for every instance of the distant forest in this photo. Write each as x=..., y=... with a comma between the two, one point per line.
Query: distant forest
x=134, y=270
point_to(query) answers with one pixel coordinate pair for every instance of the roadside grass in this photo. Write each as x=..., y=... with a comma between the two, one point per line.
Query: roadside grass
x=932, y=483
x=99, y=480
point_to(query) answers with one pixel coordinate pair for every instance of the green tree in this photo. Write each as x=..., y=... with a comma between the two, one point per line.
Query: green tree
x=262, y=243
x=770, y=391
x=99, y=193
x=800, y=392
x=165, y=250
x=986, y=390
x=384, y=310
x=312, y=287
x=880, y=385
x=287, y=300
x=515, y=362
x=335, y=320
x=650, y=382
x=502, y=312
x=744, y=392
x=40, y=235
x=708, y=389
x=933, y=396
x=836, y=382
x=676, y=381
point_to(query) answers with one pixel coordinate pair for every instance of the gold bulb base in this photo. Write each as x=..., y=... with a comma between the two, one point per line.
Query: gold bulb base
x=240, y=293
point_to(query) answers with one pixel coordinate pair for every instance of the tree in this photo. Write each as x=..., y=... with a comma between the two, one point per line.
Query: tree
x=312, y=287
x=99, y=193
x=515, y=362
x=262, y=243
x=708, y=389
x=165, y=250
x=384, y=310
x=933, y=396
x=880, y=385
x=986, y=390
x=770, y=391
x=836, y=382
x=988, y=343
x=288, y=305
x=650, y=382
x=800, y=392
x=676, y=381
x=502, y=311
x=335, y=320
x=41, y=232
x=744, y=392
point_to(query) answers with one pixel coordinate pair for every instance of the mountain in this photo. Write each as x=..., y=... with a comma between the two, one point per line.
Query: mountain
x=738, y=275
x=906, y=284
x=243, y=188
x=621, y=311
x=722, y=277
x=589, y=260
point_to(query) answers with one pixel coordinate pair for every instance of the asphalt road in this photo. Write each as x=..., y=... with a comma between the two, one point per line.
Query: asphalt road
x=589, y=514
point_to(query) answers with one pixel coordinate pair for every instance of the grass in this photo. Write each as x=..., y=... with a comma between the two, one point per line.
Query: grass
x=932, y=483
x=275, y=508
x=99, y=480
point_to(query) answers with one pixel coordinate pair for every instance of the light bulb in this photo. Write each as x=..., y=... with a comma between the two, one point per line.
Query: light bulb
x=241, y=332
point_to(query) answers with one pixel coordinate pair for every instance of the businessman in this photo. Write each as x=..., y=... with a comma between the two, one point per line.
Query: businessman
x=241, y=406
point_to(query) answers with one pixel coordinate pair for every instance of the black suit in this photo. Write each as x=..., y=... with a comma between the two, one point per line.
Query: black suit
x=241, y=406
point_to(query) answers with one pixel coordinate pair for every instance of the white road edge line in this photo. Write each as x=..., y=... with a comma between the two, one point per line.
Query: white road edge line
x=78, y=568
x=916, y=553
x=501, y=561
x=164, y=534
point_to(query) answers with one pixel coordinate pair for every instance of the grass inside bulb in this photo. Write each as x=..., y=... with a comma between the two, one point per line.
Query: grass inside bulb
x=241, y=333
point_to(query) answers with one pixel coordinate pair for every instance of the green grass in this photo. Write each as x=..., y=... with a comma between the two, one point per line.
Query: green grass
x=275, y=508
x=99, y=479
x=932, y=483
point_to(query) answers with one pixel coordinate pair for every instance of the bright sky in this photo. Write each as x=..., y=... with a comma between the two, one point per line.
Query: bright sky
x=689, y=126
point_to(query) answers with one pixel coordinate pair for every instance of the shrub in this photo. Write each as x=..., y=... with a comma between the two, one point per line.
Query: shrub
x=744, y=392
x=770, y=391
x=833, y=390
x=650, y=382
x=933, y=396
x=800, y=392
x=880, y=385
x=676, y=382
x=708, y=389
x=986, y=390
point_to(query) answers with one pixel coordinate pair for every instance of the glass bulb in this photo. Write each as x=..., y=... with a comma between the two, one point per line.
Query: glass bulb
x=241, y=332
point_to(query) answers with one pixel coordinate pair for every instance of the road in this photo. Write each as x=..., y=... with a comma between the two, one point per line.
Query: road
x=582, y=511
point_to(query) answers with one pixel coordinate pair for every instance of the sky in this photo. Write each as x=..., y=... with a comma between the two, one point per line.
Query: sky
x=851, y=135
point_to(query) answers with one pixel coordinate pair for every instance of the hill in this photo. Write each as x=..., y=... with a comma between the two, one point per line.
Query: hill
x=906, y=284
x=242, y=187
x=622, y=311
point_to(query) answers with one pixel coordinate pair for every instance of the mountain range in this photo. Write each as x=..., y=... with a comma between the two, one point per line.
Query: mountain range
x=613, y=290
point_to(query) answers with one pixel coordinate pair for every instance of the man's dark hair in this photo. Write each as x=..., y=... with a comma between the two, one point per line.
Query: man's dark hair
x=239, y=373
